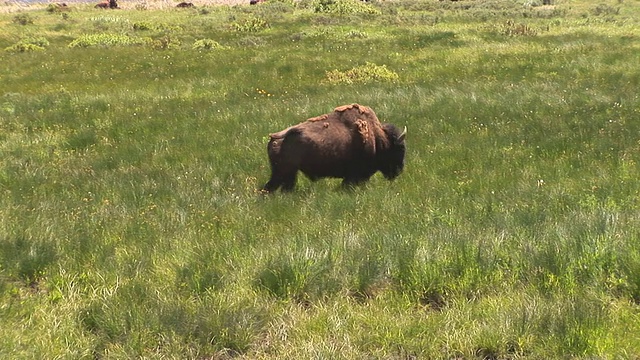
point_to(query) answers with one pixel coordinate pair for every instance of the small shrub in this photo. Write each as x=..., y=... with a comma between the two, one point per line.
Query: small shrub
x=253, y=24
x=38, y=41
x=362, y=74
x=533, y=3
x=143, y=25
x=286, y=2
x=166, y=28
x=604, y=9
x=149, y=26
x=88, y=40
x=102, y=22
x=344, y=7
x=355, y=34
x=22, y=47
x=165, y=43
x=206, y=44
x=511, y=28
x=29, y=44
x=106, y=23
x=23, y=19
x=272, y=7
x=251, y=41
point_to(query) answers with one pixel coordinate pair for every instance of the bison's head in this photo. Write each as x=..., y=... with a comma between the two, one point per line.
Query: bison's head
x=391, y=161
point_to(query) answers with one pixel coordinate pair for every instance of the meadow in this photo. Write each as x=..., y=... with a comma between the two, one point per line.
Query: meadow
x=133, y=146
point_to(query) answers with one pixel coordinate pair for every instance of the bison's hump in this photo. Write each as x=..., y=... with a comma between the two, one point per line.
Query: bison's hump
x=361, y=108
x=353, y=122
x=318, y=118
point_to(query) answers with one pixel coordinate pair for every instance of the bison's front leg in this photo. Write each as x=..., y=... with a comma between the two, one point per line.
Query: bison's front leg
x=285, y=179
x=275, y=181
x=357, y=175
x=272, y=185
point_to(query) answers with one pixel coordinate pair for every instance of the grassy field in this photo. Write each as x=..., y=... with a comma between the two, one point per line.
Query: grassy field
x=133, y=143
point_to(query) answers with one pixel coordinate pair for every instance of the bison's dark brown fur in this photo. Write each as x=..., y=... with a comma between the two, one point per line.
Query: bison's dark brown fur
x=350, y=143
x=110, y=4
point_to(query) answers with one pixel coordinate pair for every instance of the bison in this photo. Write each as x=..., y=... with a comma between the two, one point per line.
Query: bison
x=58, y=7
x=110, y=4
x=350, y=143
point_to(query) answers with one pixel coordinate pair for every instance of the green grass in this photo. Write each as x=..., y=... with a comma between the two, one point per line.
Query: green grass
x=131, y=225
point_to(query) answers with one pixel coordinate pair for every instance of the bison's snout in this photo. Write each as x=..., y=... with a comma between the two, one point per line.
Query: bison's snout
x=393, y=175
x=392, y=172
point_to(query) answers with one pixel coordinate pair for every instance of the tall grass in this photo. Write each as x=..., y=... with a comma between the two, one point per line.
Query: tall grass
x=131, y=225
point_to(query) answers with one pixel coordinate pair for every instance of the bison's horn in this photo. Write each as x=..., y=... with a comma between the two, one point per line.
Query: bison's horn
x=404, y=133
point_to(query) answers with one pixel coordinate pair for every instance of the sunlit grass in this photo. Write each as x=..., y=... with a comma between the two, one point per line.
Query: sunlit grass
x=131, y=224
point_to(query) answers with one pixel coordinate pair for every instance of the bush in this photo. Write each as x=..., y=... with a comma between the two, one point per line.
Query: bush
x=511, y=28
x=291, y=3
x=272, y=8
x=206, y=44
x=143, y=25
x=356, y=34
x=253, y=24
x=38, y=41
x=23, y=19
x=344, y=7
x=165, y=43
x=29, y=44
x=110, y=23
x=88, y=40
x=604, y=9
x=362, y=74
x=251, y=41
x=20, y=47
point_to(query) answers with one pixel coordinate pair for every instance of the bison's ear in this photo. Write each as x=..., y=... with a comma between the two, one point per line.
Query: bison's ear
x=403, y=135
